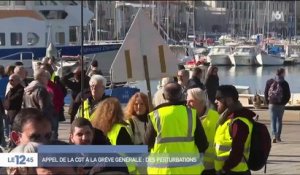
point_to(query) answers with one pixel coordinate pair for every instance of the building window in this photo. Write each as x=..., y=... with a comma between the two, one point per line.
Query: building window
x=60, y=37
x=54, y=14
x=32, y=39
x=16, y=39
x=73, y=34
x=2, y=39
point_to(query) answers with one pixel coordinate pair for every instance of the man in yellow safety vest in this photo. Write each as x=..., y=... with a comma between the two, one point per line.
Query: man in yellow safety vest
x=175, y=131
x=233, y=134
x=97, y=87
x=197, y=98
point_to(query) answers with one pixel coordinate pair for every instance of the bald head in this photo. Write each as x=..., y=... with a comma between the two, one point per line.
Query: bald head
x=173, y=92
x=14, y=80
x=21, y=71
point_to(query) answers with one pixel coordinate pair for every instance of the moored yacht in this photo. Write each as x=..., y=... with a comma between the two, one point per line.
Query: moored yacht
x=244, y=56
x=265, y=59
x=219, y=55
x=27, y=28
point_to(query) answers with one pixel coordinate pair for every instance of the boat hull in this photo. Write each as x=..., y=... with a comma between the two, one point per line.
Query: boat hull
x=242, y=60
x=103, y=53
x=219, y=60
x=269, y=60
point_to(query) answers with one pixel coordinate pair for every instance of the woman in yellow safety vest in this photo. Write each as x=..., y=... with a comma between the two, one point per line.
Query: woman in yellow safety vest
x=109, y=118
x=197, y=98
x=136, y=113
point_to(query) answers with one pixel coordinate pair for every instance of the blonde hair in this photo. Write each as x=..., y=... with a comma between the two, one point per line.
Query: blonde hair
x=199, y=95
x=108, y=113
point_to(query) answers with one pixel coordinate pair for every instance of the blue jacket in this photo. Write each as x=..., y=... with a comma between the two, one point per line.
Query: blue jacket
x=3, y=84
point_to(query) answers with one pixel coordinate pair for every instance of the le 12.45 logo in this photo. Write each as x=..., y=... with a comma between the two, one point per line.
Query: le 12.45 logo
x=20, y=159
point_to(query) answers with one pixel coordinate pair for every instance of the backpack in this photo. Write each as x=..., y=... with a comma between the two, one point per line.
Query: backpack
x=275, y=92
x=260, y=146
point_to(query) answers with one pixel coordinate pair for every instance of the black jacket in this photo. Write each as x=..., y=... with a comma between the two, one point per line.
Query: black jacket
x=212, y=84
x=195, y=82
x=14, y=99
x=286, y=92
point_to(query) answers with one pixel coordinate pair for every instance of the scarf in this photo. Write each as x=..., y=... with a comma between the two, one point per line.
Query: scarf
x=234, y=107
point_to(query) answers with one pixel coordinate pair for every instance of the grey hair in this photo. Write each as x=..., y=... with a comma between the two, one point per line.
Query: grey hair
x=41, y=72
x=199, y=95
x=98, y=78
x=31, y=147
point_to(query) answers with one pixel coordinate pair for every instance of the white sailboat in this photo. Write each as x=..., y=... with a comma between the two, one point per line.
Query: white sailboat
x=144, y=55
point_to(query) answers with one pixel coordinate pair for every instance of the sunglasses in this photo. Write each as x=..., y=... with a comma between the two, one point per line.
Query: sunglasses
x=11, y=80
x=219, y=98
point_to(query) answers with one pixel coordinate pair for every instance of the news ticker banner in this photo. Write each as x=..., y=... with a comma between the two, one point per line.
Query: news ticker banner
x=96, y=155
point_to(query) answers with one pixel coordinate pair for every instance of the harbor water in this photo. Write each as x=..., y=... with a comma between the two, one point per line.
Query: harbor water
x=254, y=77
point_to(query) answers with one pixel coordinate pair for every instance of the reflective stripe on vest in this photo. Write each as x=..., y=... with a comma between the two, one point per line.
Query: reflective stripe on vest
x=224, y=158
x=113, y=136
x=53, y=76
x=223, y=142
x=175, y=126
x=86, y=110
x=209, y=123
x=228, y=148
x=188, y=138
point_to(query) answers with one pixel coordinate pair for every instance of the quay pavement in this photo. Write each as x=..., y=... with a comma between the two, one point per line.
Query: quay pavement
x=284, y=157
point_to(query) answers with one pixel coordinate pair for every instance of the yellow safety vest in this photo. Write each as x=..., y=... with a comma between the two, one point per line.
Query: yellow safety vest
x=86, y=110
x=209, y=124
x=175, y=127
x=113, y=135
x=53, y=76
x=223, y=142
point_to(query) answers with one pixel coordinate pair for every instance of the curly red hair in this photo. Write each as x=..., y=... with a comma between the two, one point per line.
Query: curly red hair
x=129, y=111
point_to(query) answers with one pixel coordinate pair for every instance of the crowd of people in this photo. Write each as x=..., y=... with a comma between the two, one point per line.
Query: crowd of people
x=189, y=115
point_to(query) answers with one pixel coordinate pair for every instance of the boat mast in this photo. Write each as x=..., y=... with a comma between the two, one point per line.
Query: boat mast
x=152, y=12
x=295, y=11
x=82, y=61
x=251, y=15
x=194, y=29
x=263, y=31
x=168, y=27
x=96, y=22
x=268, y=29
x=233, y=16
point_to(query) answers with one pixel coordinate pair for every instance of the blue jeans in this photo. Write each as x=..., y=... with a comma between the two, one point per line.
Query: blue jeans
x=276, y=115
